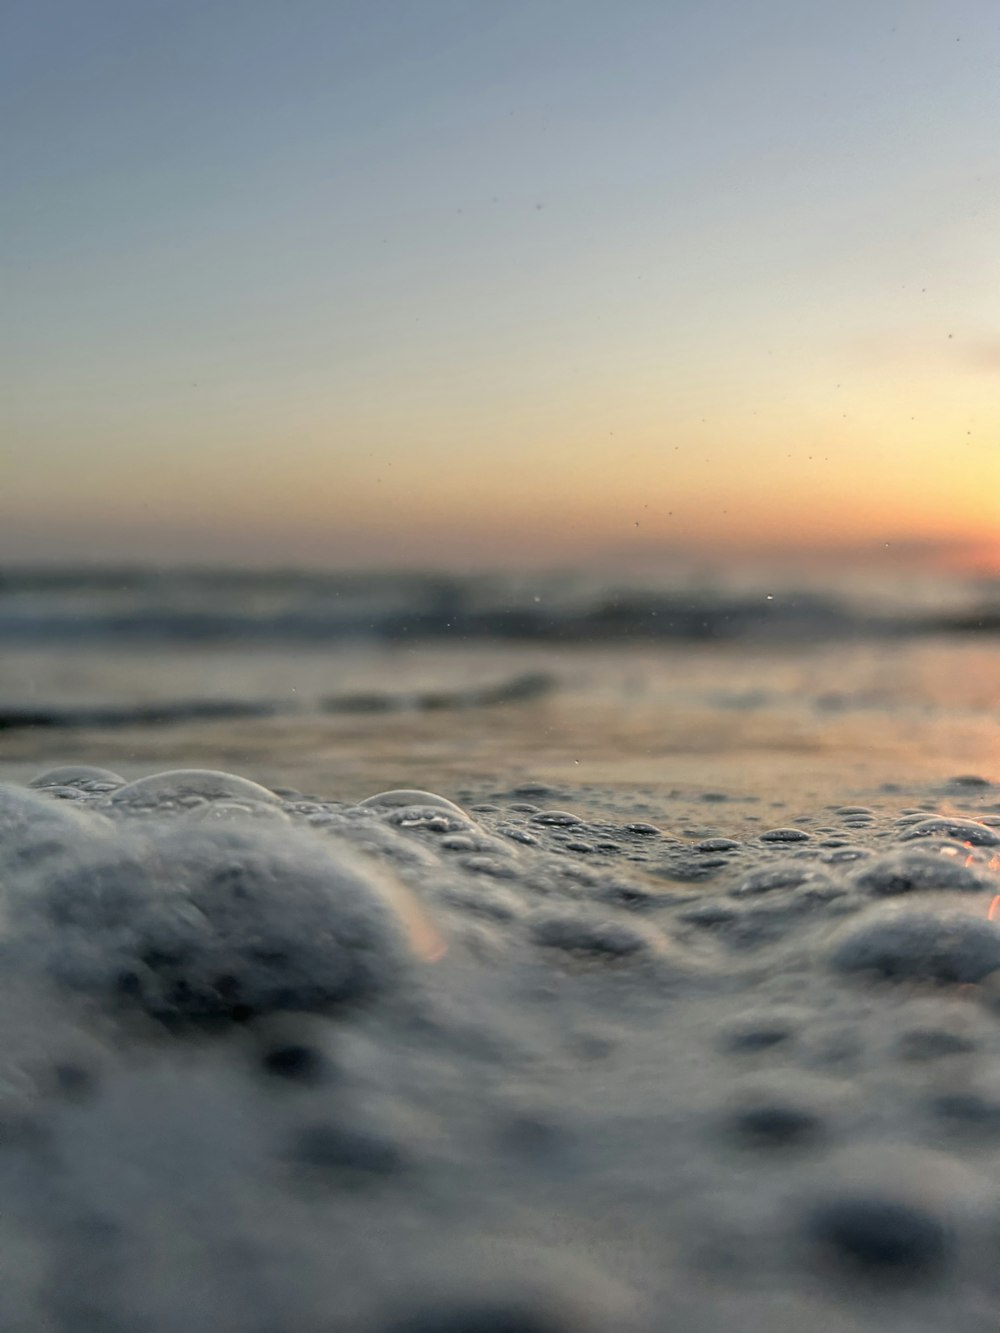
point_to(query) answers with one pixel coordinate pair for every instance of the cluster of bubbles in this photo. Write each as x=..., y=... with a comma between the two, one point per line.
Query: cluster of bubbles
x=258, y=1048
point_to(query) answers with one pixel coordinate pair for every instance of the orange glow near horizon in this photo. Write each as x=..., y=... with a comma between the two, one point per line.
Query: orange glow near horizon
x=516, y=490
x=982, y=558
x=523, y=461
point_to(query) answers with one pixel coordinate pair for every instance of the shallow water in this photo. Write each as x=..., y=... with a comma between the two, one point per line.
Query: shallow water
x=830, y=721
x=671, y=1001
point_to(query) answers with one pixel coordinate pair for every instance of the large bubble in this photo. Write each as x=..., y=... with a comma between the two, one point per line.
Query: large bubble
x=183, y=789
x=389, y=800
x=70, y=775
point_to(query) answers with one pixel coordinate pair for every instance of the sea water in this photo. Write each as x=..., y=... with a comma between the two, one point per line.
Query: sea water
x=500, y=982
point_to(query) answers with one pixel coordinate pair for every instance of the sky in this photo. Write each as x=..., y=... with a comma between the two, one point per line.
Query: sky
x=439, y=282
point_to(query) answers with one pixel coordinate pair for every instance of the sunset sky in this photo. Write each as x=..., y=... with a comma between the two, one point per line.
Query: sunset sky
x=427, y=281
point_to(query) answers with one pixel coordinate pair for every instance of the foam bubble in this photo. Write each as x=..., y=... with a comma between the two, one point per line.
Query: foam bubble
x=915, y=870
x=184, y=788
x=919, y=945
x=430, y=818
x=884, y=1236
x=292, y=1048
x=964, y=830
x=406, y=797
x=788, y=1112
x=347, y=1154
x=891, y=1214
x=71, y=775
x=762, y=1030
x=229, y=812
x=583, y=933
x=784, y=875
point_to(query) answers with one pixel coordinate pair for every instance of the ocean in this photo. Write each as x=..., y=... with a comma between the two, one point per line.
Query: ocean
x=541, y=953
x=337, y=682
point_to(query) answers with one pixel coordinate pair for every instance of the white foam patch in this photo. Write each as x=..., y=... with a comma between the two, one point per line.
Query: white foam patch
x=244, y=1086
x=199, y=922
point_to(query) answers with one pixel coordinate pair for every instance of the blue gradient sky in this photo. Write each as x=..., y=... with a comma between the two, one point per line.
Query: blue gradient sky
x=422, y=282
